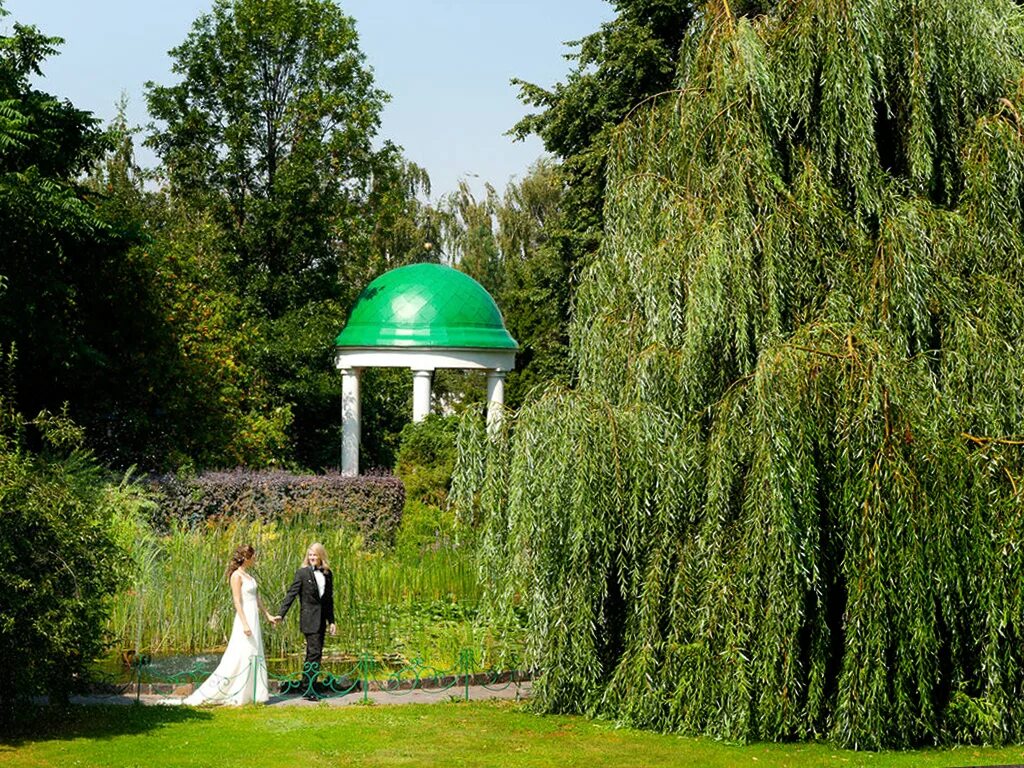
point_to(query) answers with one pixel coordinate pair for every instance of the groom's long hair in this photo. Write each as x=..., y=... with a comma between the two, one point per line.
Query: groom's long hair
x=319, y=549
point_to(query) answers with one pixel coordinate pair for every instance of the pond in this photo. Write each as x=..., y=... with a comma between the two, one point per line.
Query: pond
x=123, y=667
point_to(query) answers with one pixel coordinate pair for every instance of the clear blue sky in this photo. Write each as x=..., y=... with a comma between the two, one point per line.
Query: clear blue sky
x=446, y=63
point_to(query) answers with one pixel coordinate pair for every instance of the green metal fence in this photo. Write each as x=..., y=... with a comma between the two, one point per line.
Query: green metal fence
x=365, y=675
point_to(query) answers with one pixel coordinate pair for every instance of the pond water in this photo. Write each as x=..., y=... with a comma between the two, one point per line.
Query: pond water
x=121, y=668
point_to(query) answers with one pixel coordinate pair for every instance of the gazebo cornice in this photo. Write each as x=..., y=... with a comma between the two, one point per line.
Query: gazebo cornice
x=425, y=358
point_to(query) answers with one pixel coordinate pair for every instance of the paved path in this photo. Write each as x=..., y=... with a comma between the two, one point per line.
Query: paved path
x=417, y=696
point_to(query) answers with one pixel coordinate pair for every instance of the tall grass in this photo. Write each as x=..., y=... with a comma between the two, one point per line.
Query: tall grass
x=421, y=604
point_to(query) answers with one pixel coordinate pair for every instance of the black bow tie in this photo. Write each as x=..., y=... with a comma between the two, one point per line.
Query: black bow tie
x=319, y=570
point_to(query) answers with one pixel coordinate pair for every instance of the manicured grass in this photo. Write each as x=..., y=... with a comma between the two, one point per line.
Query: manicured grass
x=476, y=734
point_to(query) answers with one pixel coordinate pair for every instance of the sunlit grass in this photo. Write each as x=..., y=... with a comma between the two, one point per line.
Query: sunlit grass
x=476, y=734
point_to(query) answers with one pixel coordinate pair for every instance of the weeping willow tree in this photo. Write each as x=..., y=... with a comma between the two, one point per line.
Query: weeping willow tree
x=784, y=499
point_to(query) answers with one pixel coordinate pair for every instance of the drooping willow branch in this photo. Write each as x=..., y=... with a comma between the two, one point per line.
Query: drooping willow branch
x=770, y=510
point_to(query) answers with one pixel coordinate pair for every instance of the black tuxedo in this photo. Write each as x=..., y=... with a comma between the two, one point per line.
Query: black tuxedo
x=315, y=612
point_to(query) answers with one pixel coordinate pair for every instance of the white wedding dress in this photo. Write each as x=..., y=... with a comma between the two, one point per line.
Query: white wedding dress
x=241, y=676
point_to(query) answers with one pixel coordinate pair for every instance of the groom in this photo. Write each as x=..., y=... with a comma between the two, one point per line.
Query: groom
x=314, y=586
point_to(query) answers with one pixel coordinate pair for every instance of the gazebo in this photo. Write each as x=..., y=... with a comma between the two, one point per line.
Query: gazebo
x=422, y=317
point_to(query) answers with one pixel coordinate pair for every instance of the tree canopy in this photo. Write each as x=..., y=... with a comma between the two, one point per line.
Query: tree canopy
x=269, y=130
x=625, y=62
x=186, y=314
x=507, y=242
x=783, y=500
x=271, y=123
x=71, y=304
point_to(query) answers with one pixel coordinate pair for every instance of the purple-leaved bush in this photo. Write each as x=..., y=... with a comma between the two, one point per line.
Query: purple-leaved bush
x=370, y=503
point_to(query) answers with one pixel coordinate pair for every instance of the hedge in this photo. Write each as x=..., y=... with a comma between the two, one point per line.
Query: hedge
x=371, y=503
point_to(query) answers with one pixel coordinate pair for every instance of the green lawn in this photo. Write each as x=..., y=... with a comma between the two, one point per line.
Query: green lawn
x=476, y=734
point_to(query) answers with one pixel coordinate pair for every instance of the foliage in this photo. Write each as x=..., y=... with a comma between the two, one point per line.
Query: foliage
x=970, y=719
x=426, y=457
x=187, y=323
x=372, y=504
x=535, y=296
x=404, y=229
x=270, y=131
x=626, y=60
x=64, y=303
x=425, y=527
x=271, y=121
x=115, y=298
x=783, y=501
x=469, y=237
x=183, y=388
x=617, y=68
x=61, y=559
x=388, y=601
x=386, y=402
x=506, y=243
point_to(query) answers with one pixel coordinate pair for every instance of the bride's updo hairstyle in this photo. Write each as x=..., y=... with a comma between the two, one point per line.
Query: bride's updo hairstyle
x=243, y=553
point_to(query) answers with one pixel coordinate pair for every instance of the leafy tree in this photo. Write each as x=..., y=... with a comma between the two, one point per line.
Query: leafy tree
x=426, y=457
x=386, y=408
x=627, y=61
x=208, y=403
x=788, y=482
x=73, y=306
x=133, y=399
x=271, y=124
x=506, y=243
x=533, y=296
x=270, y=129
x=404, y=230
x=44, y=145
x=471, y=239
x=99, y=313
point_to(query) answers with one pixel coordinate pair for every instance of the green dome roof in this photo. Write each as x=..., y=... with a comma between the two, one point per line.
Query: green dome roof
x=425, y=305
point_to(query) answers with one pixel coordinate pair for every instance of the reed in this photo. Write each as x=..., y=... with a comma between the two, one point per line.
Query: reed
x=386, y=603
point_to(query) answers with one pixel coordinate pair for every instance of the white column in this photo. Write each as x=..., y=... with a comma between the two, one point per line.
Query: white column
x=495, y=398
x=350, y=412
x=421, y=394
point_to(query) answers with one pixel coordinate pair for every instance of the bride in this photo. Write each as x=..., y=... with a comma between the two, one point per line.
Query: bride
x=241, y=676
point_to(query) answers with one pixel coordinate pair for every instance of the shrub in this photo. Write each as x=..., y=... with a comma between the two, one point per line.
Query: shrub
x=424, y=527
x=61, y=558
x=426, y=457
x=372, y=504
